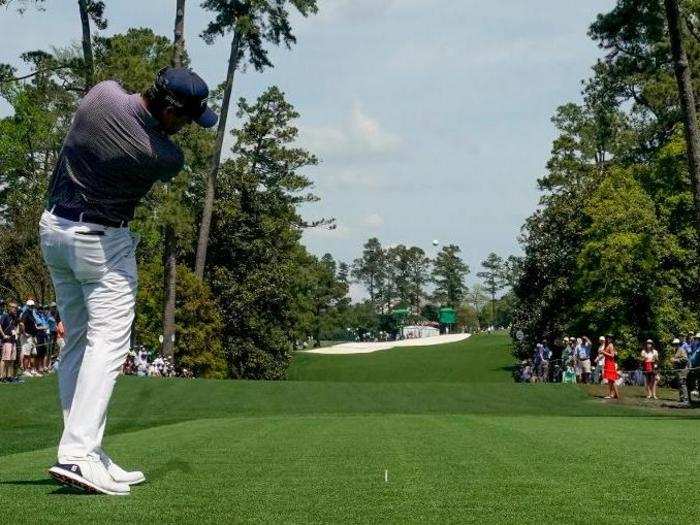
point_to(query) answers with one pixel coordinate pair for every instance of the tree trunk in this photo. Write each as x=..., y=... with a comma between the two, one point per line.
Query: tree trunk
x=87, y=45
x=208, y=209
x=170, y=244
x=687, y=100
x=170, y=284
x=179, y=36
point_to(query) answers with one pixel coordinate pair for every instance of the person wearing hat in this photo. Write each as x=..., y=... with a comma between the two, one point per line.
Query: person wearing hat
x=650, y=363
x=118, y=145
x=680, y=363
x=27, y=337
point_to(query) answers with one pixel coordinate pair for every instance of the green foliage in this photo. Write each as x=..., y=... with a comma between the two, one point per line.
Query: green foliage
x=449, y=272
x=257, y=22
x=407, y=273
x=30, y=141
x=199, y=324
x=369, y=269
x=493, y=275
x=613, y=247
x=132, y=58
x=258, y=267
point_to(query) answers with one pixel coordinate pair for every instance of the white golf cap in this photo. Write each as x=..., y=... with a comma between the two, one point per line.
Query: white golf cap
x=566, y=339
x=30, y=302
x=601, y=338
x=676, y=341
x=697, y=335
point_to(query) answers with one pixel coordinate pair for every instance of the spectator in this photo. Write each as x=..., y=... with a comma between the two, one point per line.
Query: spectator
x=27, y=339
x=60, y=335
x=142, y=362
x=598, y=374
x=610, y=373
x=695, y=351
x=42, y=338
x=52, y=319
x=567, y=354
x=546, y=357
x=8, y=343
x=541, y=362
x=650, y=362
x=680, y=363
x=526, y=372
x=583, y=358
x=569, y=375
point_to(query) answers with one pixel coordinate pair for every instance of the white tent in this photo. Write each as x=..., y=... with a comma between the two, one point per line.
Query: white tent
x=418, y=332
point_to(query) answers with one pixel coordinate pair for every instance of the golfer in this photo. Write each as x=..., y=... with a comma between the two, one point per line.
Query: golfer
x=117, y=147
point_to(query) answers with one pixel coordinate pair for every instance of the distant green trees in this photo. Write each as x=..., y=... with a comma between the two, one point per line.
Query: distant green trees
x=449, y=273
x=402, y=277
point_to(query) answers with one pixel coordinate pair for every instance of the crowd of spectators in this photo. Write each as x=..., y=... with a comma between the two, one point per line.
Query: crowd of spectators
x=32, y=337
x=577, y=361
x=140, y=362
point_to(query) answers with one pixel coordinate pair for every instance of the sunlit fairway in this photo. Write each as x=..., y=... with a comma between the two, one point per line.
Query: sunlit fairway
x=459, y=440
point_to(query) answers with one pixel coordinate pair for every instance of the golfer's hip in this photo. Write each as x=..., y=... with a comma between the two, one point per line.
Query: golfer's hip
x=88, y=250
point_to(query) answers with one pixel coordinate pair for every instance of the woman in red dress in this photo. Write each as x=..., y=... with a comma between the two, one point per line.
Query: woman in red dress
x=610, y=368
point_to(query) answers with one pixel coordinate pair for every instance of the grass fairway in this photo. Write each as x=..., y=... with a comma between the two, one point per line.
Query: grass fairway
x=460, y=442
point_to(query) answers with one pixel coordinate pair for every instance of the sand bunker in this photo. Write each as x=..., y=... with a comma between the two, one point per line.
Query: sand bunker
x=367, y=348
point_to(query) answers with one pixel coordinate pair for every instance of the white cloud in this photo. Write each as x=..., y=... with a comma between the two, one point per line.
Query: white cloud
x=373, y=220
x=353, y=10
x=374, y=137
x=360, y=136
x=367, y=10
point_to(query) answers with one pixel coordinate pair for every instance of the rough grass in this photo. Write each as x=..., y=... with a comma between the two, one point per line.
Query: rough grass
x=460, y=442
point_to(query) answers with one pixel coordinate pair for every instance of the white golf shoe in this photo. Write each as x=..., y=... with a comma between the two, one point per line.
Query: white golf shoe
x=119, y=474
x=88, y=474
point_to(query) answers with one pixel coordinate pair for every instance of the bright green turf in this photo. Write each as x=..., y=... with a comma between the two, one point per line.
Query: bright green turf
x=460, y=450
x=456, y=362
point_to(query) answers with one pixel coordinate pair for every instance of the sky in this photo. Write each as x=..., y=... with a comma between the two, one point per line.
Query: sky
x=431, y=118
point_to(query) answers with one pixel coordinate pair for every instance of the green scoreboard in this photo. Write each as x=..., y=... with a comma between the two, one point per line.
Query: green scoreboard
x=447, y=316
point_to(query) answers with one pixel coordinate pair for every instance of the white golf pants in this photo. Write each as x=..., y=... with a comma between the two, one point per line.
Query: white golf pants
x=93, y=269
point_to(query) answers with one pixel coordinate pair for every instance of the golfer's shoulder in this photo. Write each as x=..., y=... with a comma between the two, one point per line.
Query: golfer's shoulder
x=106, y=91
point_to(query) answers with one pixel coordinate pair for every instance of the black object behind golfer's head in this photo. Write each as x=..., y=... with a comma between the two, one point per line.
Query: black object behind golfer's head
x=184, y=89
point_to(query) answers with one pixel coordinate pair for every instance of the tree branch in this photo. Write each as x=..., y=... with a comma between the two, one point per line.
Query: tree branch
x=37, y=72
x=691, y=28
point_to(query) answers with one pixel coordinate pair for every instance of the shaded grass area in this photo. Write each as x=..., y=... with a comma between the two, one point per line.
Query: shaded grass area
x=34, y=420
x=441, y=468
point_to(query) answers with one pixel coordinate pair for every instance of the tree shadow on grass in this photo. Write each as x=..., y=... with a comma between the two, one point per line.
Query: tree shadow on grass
x=70, y=491
x=45, y=482
x=34, y=482
x=173, y=464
